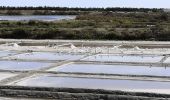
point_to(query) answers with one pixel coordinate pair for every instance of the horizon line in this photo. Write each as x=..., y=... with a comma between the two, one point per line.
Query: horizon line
x=87, y=7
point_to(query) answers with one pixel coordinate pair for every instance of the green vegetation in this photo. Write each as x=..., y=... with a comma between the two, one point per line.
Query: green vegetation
x=98, y=23
x=66, y=11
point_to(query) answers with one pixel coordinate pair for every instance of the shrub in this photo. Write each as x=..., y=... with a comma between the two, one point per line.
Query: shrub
x=20, y=34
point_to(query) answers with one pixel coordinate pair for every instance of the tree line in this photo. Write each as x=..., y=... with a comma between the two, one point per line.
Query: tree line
x=83, y=9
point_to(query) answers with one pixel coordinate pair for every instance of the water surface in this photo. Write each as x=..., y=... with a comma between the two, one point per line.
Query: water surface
x=114, y=69
x=22, y=66
x=37, y=17
x=125, y=58
x=6, y=53
x=48, y=56
x=126, y=85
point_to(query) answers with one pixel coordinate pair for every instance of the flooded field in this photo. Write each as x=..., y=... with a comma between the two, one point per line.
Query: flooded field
x=37, y=17
x=113, y=69
x=47, y=56
x=126, y=85
x=22, y=66
x=125, y=58
x=6, y=53
x=39, y=69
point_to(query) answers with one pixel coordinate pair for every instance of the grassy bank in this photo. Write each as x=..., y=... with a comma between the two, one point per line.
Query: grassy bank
x=76, y=94
x=104, y=25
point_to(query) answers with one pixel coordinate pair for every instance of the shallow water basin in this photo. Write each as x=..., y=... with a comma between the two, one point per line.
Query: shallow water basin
x=125, y=58
x=113, y=69
x=124, y=85
x=48, y=56
x=37, y=17
x=6, y=53
x=22, y=66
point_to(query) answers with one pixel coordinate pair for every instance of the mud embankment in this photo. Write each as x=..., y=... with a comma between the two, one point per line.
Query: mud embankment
x=75, y=94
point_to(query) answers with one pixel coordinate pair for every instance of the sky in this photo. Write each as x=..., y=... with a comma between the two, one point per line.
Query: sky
x=89, y=3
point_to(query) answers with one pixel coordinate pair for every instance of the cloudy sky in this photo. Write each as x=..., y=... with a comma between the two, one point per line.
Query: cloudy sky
x=89, y=3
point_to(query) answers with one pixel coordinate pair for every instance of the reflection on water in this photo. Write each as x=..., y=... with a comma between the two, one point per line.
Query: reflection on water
x=126, y=85
x=114, y=69
x=48, y=56
x=6, y=53
x=125, y=58
x=22, y=66
x=37, y=17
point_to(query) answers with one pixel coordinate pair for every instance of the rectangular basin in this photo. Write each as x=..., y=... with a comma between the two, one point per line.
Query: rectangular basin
x=47, y=56
x=36, y=17
x=113, y=69
x=125, y=58
x=6, y=53
x=22, y=66
x=87, y=83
